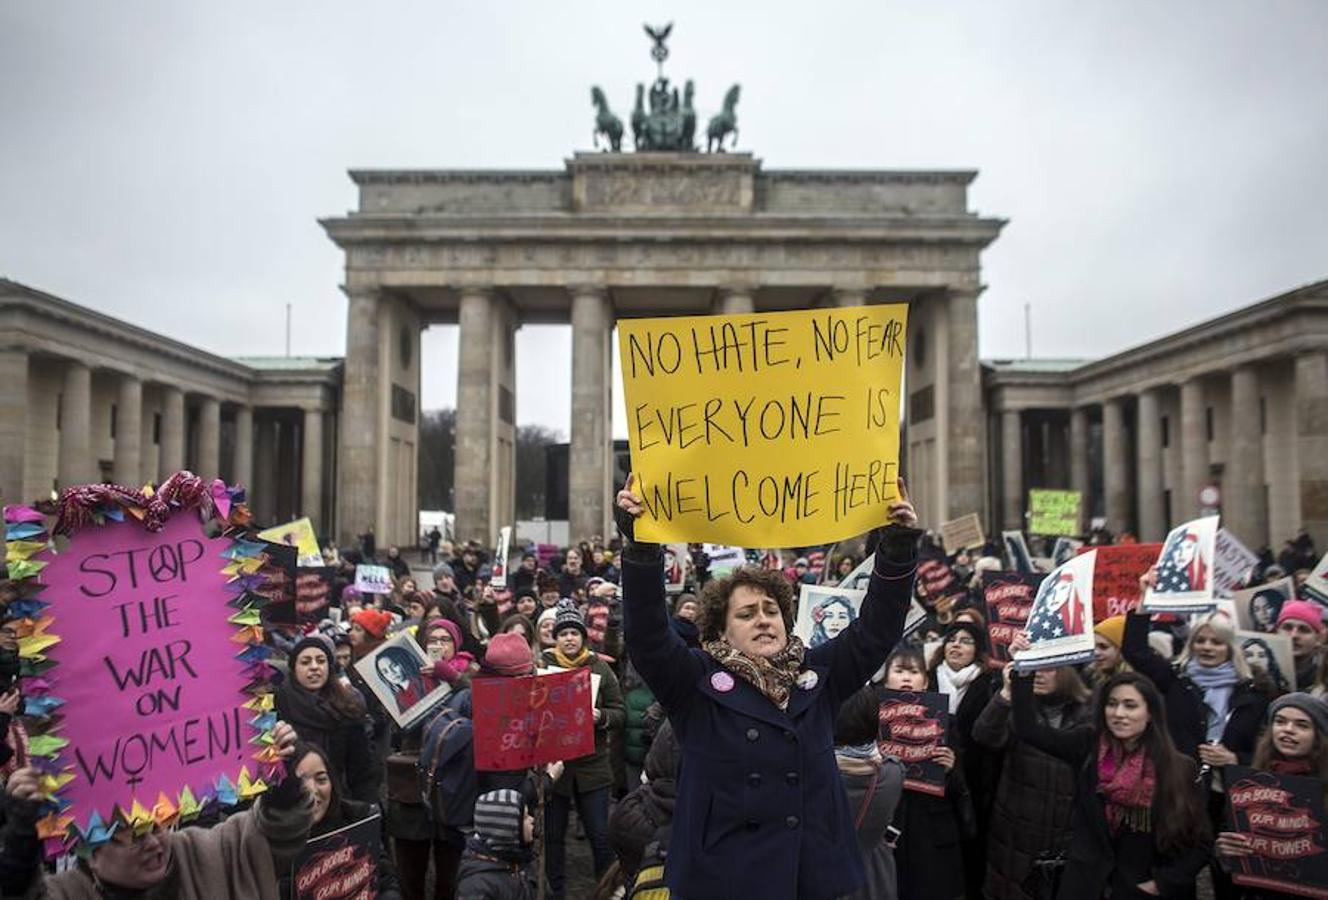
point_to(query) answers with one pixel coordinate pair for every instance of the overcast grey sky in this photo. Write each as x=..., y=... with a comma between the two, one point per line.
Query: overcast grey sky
x=165, y=162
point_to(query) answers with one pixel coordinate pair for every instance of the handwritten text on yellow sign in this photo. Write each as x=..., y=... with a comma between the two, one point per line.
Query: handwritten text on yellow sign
x=767, y=429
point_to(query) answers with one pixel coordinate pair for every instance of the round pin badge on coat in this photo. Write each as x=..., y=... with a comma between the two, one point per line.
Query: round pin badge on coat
x=722, y=682
x=807, y=679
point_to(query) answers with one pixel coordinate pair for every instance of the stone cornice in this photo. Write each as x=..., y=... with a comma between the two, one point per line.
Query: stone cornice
x=457, y=176
x=871, y=176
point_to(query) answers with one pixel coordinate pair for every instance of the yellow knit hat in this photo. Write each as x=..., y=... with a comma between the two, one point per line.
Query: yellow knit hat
x=1112, y=629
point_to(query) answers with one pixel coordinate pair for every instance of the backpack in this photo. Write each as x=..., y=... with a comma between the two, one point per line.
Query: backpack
x=649, y=881
x=448, y=784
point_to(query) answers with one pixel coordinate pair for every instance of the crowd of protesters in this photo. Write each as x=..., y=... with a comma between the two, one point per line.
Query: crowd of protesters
x=728, y=757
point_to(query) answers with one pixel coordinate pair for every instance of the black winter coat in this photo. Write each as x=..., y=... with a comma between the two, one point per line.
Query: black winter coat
x=388, y=884
x=1246, y=711
x=1095, y=860
x=344, y=739
x=761, y=811
x=929, y=857
x=646, y=814
x=486, y=876
x=1031, y=812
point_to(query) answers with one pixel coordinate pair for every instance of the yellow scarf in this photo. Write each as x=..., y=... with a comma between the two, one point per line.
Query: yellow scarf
x=582, y=658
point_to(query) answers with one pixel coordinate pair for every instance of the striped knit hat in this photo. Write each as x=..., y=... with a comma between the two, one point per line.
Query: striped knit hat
x=498, y=818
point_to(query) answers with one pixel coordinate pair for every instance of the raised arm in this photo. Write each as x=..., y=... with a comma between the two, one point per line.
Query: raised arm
x=1143, y=658
x=862, y=648
x=659, y=655
x=1071, y=745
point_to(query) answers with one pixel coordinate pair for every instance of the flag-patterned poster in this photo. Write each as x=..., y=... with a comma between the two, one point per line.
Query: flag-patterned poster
x=1185, y=569
x=1060, y=623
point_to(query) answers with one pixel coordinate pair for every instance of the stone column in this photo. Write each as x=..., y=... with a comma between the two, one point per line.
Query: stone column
x=242, y=467
x=1243, y=511
x=13, y=424
x=477, y=407
x=1012, y=469
x=1312, y=442
x=735, y=300
x=171, y=458
x=846, y=296
x=591, y=454
x=1152, y=524
x=263, y=495
x=1079, y=473
x=311, y=474
x=1193, y=450
x=965, y=432
x=361, y=431
x=209, y=438
x=1115, y=466
x=128, y=432
x=76, y=463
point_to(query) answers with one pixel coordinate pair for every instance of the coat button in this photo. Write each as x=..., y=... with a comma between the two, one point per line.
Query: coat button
x=752, y=734
x=791, y=821
x=790, y=736
x=752, y=826
x=754, y=779
x=792, y=779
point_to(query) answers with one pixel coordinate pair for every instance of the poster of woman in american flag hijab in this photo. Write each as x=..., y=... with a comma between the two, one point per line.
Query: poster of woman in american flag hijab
x=1185, y=569
x=1060, y=622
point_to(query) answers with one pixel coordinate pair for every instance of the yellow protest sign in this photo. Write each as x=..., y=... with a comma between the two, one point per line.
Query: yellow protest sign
x=766, y=429
x=1053, y=512
x=299, y=534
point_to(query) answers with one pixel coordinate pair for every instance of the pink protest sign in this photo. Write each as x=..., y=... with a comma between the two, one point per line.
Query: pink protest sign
x=147, y=665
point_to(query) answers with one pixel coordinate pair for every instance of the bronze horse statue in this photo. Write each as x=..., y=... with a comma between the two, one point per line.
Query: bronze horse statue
x=606, y=123
x=723, y=124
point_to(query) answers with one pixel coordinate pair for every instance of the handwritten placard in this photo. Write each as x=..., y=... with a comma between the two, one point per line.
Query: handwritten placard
x=1282, y=816
x=1233, y=564
x=532, y=720
x=964, y=533
x=770, y=429
x=1009, y=597
x=154, y=695
x=1053, y=512
x=373, y=579
x=913, y=725
x=1116, y=589
x=340, y=865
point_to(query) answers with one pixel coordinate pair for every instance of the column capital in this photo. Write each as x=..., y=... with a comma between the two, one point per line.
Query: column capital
x=588, y=289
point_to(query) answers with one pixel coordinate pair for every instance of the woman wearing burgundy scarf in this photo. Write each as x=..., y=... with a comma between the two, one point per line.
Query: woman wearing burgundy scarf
x=1138, y=827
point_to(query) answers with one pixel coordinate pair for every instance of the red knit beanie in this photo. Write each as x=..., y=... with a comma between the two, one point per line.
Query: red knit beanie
x=374, y=621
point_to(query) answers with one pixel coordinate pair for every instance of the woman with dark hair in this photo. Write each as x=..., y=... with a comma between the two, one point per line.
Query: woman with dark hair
x=327, y=712
x=519, y=623
x=829, y=619
x=761, y=810
x=1035, y=790
x=1261, y=659
x=332, y=812
x=1138, y=826
x=960, y=671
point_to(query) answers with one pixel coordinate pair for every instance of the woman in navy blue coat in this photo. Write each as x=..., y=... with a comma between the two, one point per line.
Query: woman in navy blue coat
x=760, y=808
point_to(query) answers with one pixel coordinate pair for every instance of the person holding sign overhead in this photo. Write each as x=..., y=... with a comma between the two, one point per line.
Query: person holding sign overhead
x=760, y=810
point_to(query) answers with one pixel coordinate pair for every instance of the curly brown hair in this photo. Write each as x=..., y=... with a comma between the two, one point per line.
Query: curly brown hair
x=714, y=599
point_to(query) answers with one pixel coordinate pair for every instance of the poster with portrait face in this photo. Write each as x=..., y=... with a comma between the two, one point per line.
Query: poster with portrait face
x=1185, y=578
x=1257, y=608
x=825, y=612
x=1271, y=655
x=392, y=672
x=677, y=558
x=1060, y=622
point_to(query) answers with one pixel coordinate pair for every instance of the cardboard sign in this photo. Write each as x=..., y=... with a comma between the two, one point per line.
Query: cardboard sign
x=1257, y=608
x=769, y=429
x=1017, y=557
x=913, y=725
x=964, y=533
x=532, y=720
x=300, y=535
x=393, y=673
x=1185, y=569
x=498, y=569
x=340, y=865
x=1053, y=513
x=373, y=579
x=146, y=662
x=1116, y=577
x=1009, y=597
x=1283, y=816
x=824, y=613
x=1270, y=654
x=1233, y=564
x=1060, y=624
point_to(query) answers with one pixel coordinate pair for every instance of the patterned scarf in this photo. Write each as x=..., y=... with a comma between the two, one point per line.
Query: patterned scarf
x=571, y=663
x=863, y=759
x=772, y=675
x=1127, y=783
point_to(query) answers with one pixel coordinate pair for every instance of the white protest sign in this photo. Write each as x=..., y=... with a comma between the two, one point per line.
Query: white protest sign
x=373, y=579
x=1233, y=563
x=1185, y=569
x=498, y=570
x=1060, y=621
